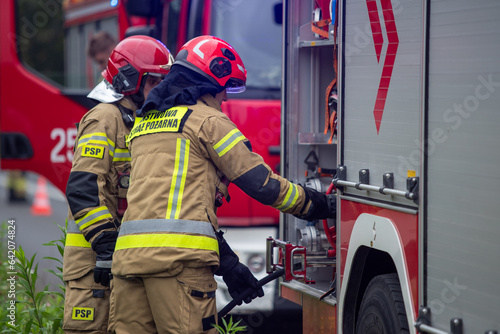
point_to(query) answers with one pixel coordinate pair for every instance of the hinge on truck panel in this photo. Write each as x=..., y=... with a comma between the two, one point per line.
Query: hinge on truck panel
x=412, y=187
x=342, y=173
x=388, y=180
x=424, y=317
x=423, y=324
x=364, y=176
x=456, y=326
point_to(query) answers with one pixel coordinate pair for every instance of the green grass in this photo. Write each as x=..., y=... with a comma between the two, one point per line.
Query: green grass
x=24, y=309
x=230, y=327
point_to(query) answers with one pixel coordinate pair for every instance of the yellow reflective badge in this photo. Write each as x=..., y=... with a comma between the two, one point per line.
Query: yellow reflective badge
x=170, y=120
x=93, y=151
x=83, y=313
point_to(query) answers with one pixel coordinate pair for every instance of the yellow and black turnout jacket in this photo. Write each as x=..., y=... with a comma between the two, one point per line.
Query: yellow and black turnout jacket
x=178, y=158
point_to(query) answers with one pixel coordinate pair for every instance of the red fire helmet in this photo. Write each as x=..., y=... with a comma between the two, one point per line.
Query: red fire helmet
x=216, y=60
x=132, y=59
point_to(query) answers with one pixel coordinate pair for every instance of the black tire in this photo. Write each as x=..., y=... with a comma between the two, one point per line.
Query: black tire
x=382, y=309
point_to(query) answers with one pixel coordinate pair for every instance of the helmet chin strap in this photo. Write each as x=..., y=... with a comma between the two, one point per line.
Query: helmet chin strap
x=138, y=97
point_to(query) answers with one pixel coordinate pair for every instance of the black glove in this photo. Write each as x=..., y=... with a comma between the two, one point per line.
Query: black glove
x=236, y=275
x=239, y=279
x=104, y=246
x=322, y=206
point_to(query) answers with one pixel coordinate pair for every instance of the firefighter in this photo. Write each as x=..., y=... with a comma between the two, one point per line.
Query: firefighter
x=182, y=146
x=98, y=182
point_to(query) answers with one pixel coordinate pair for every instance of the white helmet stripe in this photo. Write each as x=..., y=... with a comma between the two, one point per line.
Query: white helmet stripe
x=241, y=68
x=197, y=50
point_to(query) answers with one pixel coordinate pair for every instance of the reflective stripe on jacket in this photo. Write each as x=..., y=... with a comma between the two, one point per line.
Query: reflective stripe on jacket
x=167, y=233
x=74, y=237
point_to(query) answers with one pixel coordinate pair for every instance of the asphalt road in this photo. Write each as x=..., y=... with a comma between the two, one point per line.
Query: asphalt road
x=32, y=231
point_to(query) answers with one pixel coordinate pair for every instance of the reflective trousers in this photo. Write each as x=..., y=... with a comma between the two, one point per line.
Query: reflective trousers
x=183, y=304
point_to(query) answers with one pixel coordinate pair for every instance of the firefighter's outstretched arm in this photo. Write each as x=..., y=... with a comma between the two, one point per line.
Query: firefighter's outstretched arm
x=229, y=150
x=236, y=275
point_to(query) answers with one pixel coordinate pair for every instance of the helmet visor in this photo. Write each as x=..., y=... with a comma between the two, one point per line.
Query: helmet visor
x=234, y=86
x=105, y=93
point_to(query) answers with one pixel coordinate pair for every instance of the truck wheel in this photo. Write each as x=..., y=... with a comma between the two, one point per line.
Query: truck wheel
x=382, y=308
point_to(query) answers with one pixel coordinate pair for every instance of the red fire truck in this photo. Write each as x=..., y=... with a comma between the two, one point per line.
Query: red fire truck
x=410, y=92
x=39, y=108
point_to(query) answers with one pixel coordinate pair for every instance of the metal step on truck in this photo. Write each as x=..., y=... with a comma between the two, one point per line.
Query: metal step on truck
x=394, y=106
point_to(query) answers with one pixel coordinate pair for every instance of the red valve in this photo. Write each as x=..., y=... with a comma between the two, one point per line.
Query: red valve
x=287, y=254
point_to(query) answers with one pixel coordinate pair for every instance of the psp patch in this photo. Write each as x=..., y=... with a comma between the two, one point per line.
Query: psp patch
x=93, y=151
x=83, y=313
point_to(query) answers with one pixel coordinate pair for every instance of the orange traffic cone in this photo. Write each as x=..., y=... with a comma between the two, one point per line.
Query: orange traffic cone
x=41, y=204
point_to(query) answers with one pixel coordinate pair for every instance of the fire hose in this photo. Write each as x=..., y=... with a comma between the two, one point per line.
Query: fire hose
x=239, y=299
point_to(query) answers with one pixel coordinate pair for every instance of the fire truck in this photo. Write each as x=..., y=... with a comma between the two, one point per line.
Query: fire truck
x=393, y=106
x=39, y=108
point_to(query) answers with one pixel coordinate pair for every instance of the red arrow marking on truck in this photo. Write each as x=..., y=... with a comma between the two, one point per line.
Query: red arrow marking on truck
x=378, y=39
x=390, y=57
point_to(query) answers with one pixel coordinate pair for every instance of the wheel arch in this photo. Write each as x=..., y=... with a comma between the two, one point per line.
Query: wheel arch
x=367, y=264
x=375, y=248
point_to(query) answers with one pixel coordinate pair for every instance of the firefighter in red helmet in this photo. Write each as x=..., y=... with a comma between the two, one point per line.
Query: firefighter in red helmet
x=98, y=182
x=182, y=149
